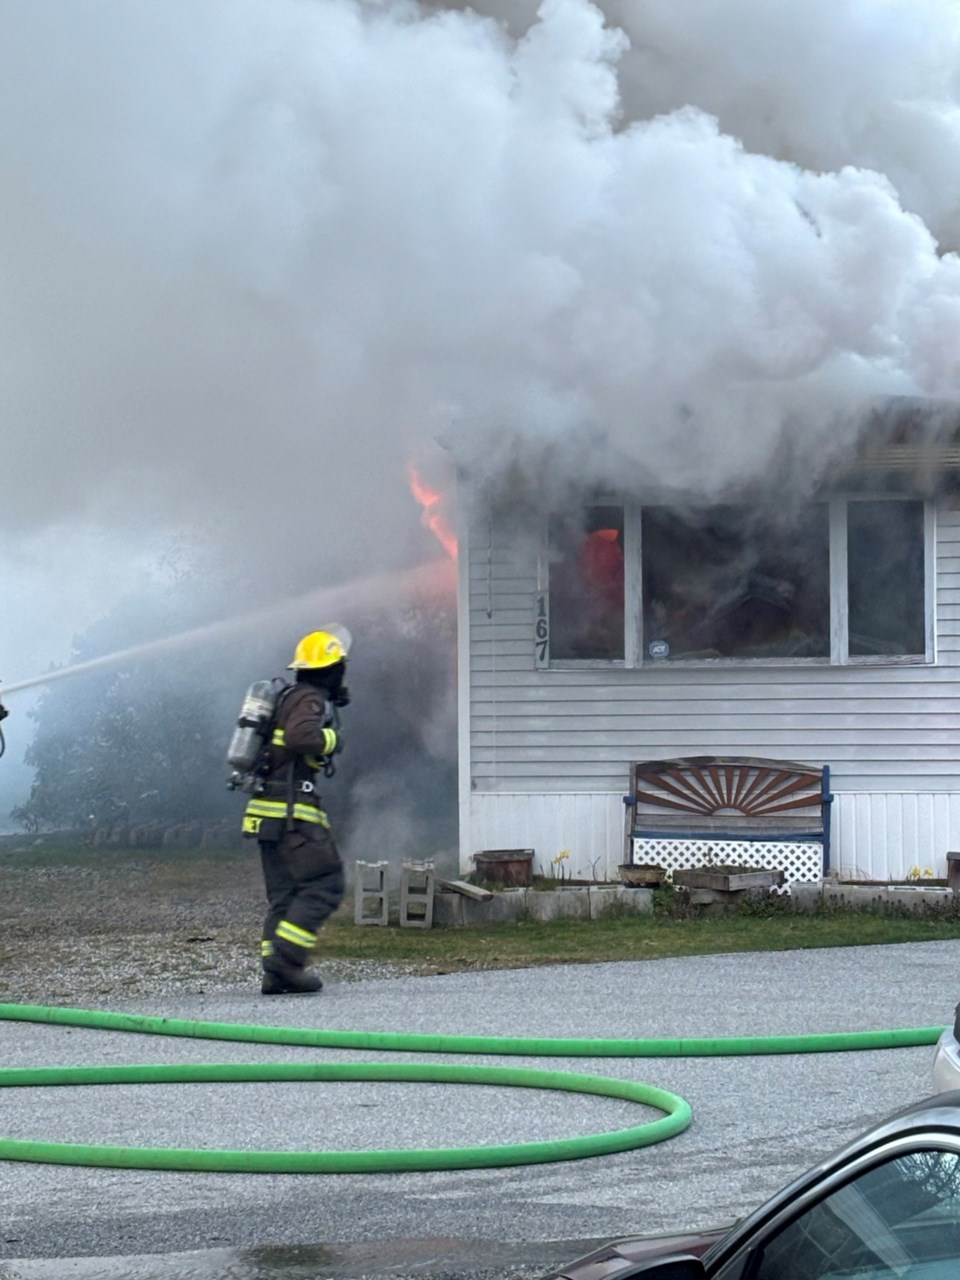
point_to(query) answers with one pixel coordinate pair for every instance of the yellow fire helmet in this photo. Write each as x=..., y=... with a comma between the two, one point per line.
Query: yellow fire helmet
x=321, y=649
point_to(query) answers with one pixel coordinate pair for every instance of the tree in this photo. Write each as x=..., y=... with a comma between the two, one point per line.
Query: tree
x=137, y=742
x=146, y=740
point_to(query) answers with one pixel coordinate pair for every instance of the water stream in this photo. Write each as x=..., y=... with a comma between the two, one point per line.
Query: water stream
x=432, y=577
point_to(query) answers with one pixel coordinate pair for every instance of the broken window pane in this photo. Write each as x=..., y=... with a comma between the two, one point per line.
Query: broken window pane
x=586, y=585
x=885, y=577
x=733, y=582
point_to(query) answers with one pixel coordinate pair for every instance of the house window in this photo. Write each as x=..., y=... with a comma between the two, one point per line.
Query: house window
x=587, y=585
x=731, y=582
x=844, y=581
x=885, y=578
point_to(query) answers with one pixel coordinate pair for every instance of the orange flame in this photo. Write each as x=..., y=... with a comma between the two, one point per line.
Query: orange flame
x=433, y=518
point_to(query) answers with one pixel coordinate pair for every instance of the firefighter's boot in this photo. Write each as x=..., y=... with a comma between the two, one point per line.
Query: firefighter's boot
x=287, y=974
x=287, y=980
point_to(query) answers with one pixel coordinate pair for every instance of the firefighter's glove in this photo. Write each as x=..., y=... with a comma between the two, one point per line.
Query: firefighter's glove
x=342, y=697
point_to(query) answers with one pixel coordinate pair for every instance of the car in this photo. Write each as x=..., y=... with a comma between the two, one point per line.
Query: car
x=946, y=1061
x=884, y=1207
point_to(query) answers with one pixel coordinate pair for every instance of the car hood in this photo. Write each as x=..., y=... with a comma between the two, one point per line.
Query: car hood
x=607, y=1262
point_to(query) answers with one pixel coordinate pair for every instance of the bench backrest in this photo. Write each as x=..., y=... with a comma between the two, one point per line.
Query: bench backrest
x=735, y=796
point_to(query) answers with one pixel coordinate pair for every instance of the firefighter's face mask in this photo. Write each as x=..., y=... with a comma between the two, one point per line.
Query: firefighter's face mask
x=327, y=678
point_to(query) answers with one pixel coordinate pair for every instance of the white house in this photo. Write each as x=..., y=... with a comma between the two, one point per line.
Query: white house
x=627, y=628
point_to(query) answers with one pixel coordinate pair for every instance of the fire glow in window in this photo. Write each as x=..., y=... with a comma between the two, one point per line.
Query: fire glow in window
x=586, y=585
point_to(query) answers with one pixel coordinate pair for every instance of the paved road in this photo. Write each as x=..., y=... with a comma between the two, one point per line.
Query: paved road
x=757, y=1121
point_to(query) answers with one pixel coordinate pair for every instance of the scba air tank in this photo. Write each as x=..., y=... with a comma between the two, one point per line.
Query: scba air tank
x=256, y=712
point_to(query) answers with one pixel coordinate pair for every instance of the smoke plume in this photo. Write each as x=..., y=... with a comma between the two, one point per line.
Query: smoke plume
x=242, y=234
x=260, y=254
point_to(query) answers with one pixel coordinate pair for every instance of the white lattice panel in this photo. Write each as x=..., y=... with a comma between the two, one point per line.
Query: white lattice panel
x=801, y=860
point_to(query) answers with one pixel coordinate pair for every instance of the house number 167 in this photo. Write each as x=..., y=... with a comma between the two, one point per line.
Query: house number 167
x=541, y=644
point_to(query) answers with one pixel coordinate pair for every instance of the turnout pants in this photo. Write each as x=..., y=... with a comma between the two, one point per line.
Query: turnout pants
x=303, y=877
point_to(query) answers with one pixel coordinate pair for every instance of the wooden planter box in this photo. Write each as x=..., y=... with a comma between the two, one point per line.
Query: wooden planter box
x=638, y=875
x=510, y=867
x=727, y=879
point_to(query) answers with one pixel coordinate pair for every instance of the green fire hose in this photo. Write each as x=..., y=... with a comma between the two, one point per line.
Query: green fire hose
x=677, y=1114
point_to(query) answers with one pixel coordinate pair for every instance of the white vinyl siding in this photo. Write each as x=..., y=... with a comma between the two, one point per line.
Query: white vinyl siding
x=884, y=730
x=948, y=585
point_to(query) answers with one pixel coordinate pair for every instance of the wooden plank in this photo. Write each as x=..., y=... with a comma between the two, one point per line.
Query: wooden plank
x=734, y=827
x=687, y=805
x=474, y=891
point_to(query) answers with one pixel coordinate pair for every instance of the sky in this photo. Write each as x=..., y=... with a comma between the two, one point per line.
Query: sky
x=258, y=255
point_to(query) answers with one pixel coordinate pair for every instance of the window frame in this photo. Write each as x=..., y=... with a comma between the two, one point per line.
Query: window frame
x=635, y=655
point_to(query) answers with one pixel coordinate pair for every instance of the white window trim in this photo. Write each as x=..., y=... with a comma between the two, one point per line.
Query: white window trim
x=839, y=583
x=635, y=657
x=632, y=585
x=930, y=581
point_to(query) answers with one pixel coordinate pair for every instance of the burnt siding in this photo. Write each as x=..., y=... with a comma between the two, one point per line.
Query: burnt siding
x=881, y=729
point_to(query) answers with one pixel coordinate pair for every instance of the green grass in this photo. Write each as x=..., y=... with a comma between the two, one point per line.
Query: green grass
x=231, y=879
x=524, y=945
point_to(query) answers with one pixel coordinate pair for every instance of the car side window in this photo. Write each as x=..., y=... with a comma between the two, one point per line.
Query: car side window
x=900, y=1219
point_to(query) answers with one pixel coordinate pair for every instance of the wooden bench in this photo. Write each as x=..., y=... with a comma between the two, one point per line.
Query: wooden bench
x=732, y=810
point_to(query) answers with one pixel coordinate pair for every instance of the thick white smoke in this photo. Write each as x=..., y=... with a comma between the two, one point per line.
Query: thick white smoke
x=237, y=230
x=257, y=253
x=829, y=83
x=825, y=84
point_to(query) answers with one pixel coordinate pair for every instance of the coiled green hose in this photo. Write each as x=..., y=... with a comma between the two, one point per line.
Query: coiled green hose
x=677, y=1111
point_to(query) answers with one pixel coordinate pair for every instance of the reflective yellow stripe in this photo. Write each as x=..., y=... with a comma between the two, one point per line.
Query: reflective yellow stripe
x=266, y=947
x=279, y=738
x=258, y=807
x=307, y=813
x=267, y=808
x=294, y=934
x=314, y=762
x=329, y=741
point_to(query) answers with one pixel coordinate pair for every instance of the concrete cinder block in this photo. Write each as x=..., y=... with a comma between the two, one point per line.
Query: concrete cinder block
x=448, y=909
x=606, y=897
x=806, y=894
x=867, y=895
x=572, y=904
x=502, y=908
x=568, y=904
x=558, y=904
x=540, y=905
x=585, y=902
x=418, y=885
x=371, y=901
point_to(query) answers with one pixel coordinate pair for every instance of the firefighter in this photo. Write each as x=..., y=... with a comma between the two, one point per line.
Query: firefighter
x=302, y=869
